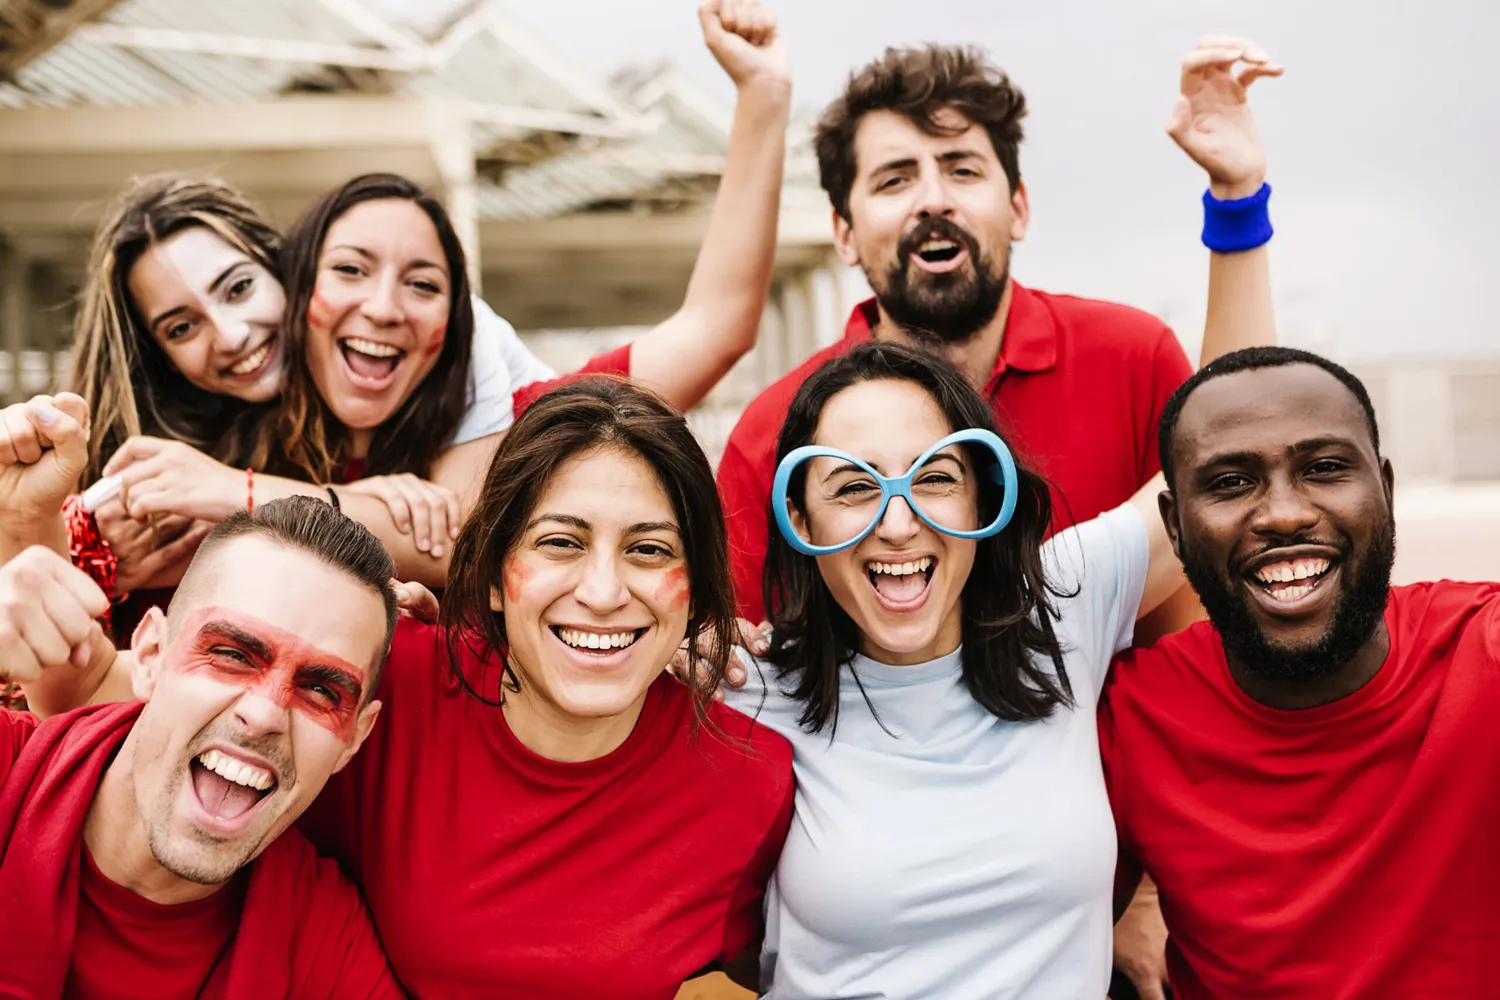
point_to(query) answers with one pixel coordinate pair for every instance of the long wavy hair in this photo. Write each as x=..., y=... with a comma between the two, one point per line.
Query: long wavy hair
x=303, y=438
x=573, y=420
x=130, y=384
x=1007, y=601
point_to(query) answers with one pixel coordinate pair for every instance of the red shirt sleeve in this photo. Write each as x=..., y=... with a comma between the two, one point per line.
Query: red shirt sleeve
x=338, y=955
x=746, y=918
x=1170, y=368
x=746, y=498
x=15, y=729
x=615, y=362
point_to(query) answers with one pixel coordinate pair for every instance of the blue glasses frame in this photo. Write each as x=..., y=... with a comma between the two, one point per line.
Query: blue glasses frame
x=898, y=486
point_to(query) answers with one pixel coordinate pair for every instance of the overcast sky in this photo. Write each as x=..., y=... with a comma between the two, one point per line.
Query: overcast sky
x=1382, y=140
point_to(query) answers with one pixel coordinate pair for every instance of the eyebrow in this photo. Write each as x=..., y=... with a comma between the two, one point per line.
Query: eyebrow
x=639, y=528
x=367, y=255
x=851, y=467
x=1299, y=448
x=213, y=286
x=249, y=640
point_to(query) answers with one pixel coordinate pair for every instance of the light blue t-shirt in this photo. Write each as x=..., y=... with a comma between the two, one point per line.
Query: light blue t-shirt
x=963, y=857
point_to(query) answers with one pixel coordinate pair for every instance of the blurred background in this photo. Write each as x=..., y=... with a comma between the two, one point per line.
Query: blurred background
x=578, y=144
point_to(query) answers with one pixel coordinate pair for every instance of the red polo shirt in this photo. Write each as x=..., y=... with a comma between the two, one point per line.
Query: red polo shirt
x=1078, y=388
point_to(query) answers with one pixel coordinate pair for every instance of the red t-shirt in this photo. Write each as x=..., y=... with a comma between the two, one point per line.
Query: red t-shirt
x=615, y=362
x=494, y=872
x=128, y=947
x=1077, y=389
x=1346, y=852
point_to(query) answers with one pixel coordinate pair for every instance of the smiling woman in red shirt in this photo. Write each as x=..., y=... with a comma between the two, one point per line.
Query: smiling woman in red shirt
x=543, y=811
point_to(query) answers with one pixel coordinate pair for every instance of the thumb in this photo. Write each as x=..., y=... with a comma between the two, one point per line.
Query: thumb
x=134, y=450
x=70, y=440
x=92, y=649
x=1180, y=119
x=74, y=406
x=708, y=18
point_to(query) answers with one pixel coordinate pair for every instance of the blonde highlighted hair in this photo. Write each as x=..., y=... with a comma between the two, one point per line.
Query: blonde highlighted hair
x=130, y=384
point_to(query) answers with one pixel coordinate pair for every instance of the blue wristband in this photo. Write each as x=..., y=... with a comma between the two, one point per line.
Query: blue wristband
x=1239, y=224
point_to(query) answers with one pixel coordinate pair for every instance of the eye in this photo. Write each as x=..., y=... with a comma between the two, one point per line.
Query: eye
x=178, y=330
x=558, y=543
x=430, y=287
x=890, y=182
x=240, y=288
x=857, y=489
x=231, y=654
x=652, y=550
x=1327, y=467
x=349, y=270
x=324, y=692
x=937, y=479
x=966, y=172
x=1229, y=482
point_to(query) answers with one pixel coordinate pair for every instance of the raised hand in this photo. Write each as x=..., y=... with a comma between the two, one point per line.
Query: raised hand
x=43, y=450
x=1211, y=120
x=48, y=612
x=430, y=513
x=743, y=37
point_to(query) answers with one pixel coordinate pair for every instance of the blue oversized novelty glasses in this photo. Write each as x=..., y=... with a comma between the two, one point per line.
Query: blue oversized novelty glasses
x=924, y=488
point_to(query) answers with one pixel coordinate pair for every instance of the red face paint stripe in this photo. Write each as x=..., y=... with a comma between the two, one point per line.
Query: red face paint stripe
x=231, y=647
x=673, y=591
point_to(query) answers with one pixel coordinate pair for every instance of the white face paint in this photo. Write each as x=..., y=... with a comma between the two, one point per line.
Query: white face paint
x=215, y=311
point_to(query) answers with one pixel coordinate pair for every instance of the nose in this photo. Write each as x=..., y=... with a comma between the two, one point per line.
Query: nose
x=383, y=307
x=260, y=715
x=1284, y=511
x=231, y=334
x=934, y=200
x=601, y=590
x=899, y=524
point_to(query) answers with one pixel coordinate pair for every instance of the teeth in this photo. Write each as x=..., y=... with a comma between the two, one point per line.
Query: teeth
x=1300, y=569
x=932, y=245
x=1289, y=594
x=594, y=640
x=371, y=348
x=236, y=771
x=900, y=569
x=251, y=362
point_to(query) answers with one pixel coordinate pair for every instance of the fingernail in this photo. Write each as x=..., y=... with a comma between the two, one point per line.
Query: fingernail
x=736, y=675
x=46, y=414
x=437, y=551
x=422, y=545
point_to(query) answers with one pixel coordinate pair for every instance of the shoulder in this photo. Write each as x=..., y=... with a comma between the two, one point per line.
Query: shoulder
x=15, y=730
x=748, y=763
x=1139, y=675
x=755, y=433
x=1446, y=610
x=1102, y=321
x=1100, y=547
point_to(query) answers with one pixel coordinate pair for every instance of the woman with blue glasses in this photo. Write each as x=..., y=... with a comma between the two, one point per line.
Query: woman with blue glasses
x=936, y=667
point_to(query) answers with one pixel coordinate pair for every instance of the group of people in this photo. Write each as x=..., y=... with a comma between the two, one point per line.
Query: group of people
x=363, y=656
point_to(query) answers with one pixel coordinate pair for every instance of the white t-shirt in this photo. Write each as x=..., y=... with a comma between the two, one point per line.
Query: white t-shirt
x=500, y=365
x=963, y=857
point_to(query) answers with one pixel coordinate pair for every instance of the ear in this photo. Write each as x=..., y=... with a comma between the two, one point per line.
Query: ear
x=799, y=521
x=1166, y=503
x=1020, y=207
x=1388, y=477
x=497, y=599
x=843, y=240
x=149, y=645
x=362, y=726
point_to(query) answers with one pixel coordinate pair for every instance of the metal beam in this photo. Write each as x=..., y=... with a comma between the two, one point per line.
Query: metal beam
x=245, y=47
x=542, y=120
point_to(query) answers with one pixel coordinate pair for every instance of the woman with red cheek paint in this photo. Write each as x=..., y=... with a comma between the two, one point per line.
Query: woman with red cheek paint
x=378, y=309
x=567, y=828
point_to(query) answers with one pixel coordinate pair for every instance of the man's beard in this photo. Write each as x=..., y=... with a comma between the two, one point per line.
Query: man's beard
x=942, y=308
x=1357, y=612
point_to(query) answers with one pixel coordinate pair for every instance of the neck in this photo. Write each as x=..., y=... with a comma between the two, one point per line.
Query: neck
x=974, y=357
x=360, y=439
x=1354, y=674
x=549, y=732
x=115, y=834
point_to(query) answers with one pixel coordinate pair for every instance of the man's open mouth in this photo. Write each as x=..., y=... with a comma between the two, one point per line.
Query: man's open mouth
x=939, y=251
x=228, y=787
x=1291, y=580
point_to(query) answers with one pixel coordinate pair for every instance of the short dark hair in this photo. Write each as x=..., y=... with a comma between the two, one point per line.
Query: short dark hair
x=300, y=436
x=1251, y=359
x=1008, y=612
x=316, y=528
x=921, y=83
x=579, y=417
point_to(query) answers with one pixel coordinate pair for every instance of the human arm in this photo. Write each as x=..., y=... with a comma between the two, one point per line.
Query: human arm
x=43, y=451
x=686, y=355
x=745, y=496
x=170, y=477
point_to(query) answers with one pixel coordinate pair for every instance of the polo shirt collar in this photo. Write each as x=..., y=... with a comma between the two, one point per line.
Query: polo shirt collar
x=1029, y=345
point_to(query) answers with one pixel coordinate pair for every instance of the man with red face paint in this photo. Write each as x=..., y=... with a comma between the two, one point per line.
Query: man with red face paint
x=144, y=848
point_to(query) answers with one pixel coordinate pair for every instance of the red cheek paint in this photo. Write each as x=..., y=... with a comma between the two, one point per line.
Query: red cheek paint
x=435, y=341
x=319, y=310
x=517, y=574
x=673, y=591
x=233, y=648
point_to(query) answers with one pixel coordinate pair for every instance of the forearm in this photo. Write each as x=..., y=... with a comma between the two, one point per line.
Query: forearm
x=685, y=356
x=1164, y=574
x=411, y=562
x=62, y=689
x=1240, y=313
x=20, y=534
